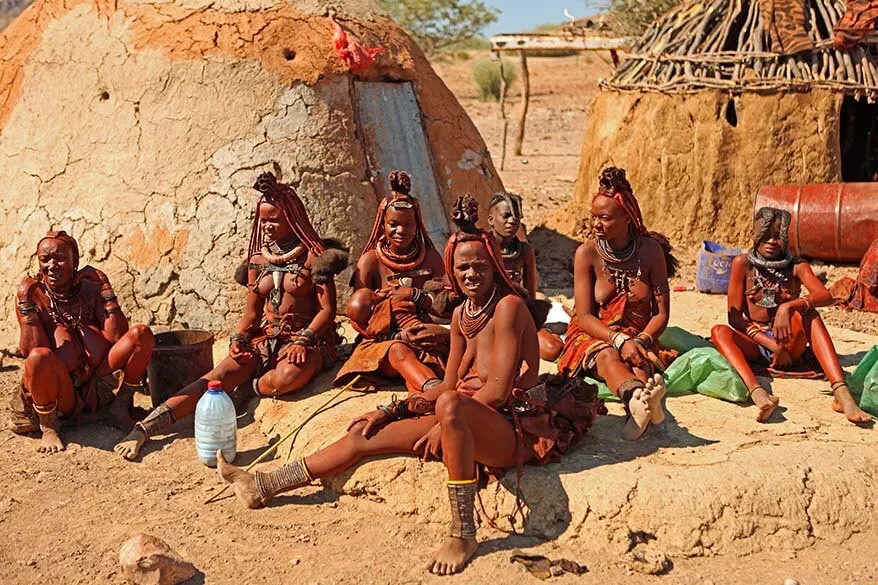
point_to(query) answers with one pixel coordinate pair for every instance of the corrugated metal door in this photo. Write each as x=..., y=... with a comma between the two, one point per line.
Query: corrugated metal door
x=394, y=138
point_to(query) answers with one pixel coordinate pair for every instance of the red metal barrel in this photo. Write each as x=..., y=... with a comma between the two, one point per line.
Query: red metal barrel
x=835, y=222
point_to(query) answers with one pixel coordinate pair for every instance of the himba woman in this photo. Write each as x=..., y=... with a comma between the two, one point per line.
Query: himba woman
x=491, y=408
x=287, y=333
x=74, y=337
x=622, y=305
x=771, y=323
x=505, y=213
x=390, y=308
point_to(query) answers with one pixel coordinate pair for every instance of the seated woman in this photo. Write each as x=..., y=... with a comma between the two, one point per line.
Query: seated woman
x=397, y=262
x=770, y=323
x=491, y=408
x=74, y=337
x=287, y=333
x=622, y=305
x=505, y=216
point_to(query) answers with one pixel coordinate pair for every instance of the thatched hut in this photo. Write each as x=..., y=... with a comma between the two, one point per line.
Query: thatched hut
x=719, y=97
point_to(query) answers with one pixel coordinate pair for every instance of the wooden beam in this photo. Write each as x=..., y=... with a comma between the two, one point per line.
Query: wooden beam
x=525, y=101
x=534, y=42
x=503, y=113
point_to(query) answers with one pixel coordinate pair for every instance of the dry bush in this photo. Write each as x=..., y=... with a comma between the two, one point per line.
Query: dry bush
x=486, y=75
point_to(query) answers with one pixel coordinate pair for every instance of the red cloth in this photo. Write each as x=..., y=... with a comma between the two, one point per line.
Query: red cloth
x=619, y=314
x=357, y=57
x=860, y=294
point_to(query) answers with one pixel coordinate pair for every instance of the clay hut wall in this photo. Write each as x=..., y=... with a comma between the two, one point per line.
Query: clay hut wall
x=695, y=165
x=139, y=127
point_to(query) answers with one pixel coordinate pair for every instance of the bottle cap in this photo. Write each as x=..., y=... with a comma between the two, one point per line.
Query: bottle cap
x=215, y=386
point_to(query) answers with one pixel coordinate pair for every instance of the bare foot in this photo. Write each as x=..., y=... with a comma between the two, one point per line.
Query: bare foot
x=243, y=482
x=655, y=387
x=640, y=418
x=130, y=446
x=452, y=556
x=766, y=402
x=845, y=403
x=51, y=442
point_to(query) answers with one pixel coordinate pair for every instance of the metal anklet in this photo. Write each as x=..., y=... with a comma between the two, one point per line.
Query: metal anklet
x=286, y=478
x=462, y=495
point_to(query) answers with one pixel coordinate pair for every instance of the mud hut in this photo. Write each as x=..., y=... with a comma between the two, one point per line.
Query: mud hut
x=140, y=127
x=719, y=97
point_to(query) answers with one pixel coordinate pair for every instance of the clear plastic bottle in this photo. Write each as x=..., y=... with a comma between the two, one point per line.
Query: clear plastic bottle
x=215, y=425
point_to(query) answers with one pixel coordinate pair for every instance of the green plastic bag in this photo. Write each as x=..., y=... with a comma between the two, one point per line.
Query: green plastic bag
x=864, y=381
x=706, y=371
x=682, y=340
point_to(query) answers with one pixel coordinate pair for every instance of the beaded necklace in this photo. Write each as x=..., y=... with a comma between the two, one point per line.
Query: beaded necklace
x=622, y=278
x=473, y=321
x=404, y=262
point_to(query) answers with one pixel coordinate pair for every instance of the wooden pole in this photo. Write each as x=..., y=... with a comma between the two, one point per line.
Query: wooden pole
x=503, y=112
x=525, y=101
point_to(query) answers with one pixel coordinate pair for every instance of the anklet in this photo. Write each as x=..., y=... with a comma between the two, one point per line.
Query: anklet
x=462, y=495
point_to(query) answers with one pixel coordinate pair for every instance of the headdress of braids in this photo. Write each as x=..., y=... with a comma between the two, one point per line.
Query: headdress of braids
x=466, y=214
x=400, y=198
x=332, y=255
x=615, y=185
x=763, y=221
x=68, y=241
x=512, y=200
x=285, y=198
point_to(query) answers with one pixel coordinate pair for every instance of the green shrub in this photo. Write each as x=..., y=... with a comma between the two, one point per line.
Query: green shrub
x=486, y=75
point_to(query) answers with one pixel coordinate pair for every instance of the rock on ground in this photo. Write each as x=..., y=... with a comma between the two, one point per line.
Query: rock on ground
x=147, y=560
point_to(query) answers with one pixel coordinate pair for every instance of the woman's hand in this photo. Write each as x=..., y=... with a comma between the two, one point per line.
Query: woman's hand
x=781, y=358
x=420, y=336
x=783, y=328
x=297, y=354
x=374, y=420
x=634, y=354
x=430, y=444
x=240, y=352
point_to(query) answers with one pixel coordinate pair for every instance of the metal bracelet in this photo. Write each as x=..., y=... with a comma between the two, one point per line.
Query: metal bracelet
x=25, y=307
x=309, y=333
x=386, y=410
x=619, y=339
x=240, y=338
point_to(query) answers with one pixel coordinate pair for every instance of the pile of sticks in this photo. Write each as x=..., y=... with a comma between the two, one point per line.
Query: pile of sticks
x=724, y=44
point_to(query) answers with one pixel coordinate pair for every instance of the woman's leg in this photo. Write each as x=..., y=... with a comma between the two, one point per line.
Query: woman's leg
x=471, y=431
x=625, y=384
x=551, y=345
x=824, y=350
x=49, y=384
x=397, y=437
x=286, y=378
x=229, y=372
x=402, y=361
x=131, y=354
x=739, y=350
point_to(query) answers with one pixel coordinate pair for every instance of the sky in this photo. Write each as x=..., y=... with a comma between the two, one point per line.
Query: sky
x=522, y=15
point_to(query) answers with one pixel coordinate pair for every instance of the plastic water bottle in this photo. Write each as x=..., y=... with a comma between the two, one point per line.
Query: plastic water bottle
x=215, y=425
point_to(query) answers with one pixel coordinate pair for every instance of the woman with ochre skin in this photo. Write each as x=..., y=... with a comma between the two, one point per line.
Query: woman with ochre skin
x=74, y=337
x=770, y=323
x=504, y=216
x=389, y=307
x=286, y=335
x=622, y=305
x=466, y=419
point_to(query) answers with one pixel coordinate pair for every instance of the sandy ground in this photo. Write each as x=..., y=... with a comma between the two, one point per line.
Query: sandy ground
x=64, y=517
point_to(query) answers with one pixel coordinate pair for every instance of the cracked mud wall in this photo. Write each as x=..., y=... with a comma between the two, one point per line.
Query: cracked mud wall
x=140, y=130
x=694, y=173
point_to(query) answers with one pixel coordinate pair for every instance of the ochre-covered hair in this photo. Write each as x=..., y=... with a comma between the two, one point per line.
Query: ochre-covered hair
x=400, y=198
x=615, y=185
x=512, y=200
x=68, y=240
x=285, y=198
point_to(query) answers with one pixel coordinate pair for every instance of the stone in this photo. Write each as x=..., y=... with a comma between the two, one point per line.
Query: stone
x=147, y=560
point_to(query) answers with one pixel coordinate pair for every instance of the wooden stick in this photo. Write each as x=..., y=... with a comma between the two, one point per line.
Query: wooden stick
x=286, y=437
x=525, y=102
x=503, y=113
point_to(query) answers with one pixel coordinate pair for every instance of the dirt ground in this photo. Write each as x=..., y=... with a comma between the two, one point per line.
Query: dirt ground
x=64, y=517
